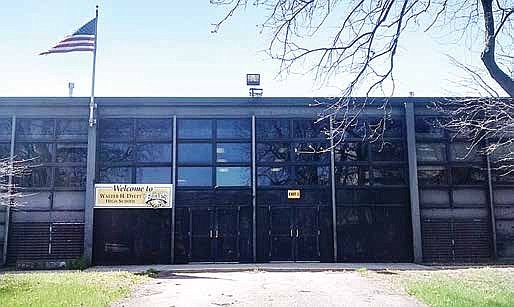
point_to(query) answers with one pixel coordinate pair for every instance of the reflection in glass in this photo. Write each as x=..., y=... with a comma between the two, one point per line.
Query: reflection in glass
x=5, y=150
x=194, y=128
x=272, y=128
x=233, y=152
x=352, y=175
x=233, y=128
x=195, y=153
x=312, y=175
x=116, y=152
x=70, y=177
x=313, y=152
x=40, y=152
x=153, y=175
x=432, y=175
x=72, y=129
x=35, y=128
x=115, y=175
x=5, y=129
x=39, y=177
x=273, y=152
x=389, y=175
x=309, y=128
x=430, y=152
x=116, y=128
x=468, y=175
x=153, y=128
x=387, y=151
x=233, y=176
x=461, y=152
x=428, y=127
x=194, y=176
x=153, y=152
x=357, y=151
x=71, y=152
x=272, y=176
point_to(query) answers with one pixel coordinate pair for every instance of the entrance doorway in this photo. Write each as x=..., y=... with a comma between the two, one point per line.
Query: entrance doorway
x=294, y=233
x=214, y=234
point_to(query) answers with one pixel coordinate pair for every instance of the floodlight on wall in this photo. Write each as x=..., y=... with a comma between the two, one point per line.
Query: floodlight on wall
x=253, y=79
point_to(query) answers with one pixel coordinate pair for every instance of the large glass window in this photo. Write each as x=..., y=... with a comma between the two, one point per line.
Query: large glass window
x=273, y=152
x=388, y=151
x=428, y=127
x=119, y=129
x=153, y=175
x=71, y=152
x=153, y=129
x=310, y=128
x=70, y=177
x=5, y=129
x=273, y=176
x=194, y=176
x=233, y=128
x=153, y=152
x=468, y=175
x=389, y=175
x=273, y=128
x=233, y=152
x=135, y=150
x=351, y=151
x=462, y=152
x=37, y=152
x=35, y=129
x=432, y=175
x=195, y=153
x=352, y=175
x=311, y=152
x=233, y=176
x=312, y=175
x=116, y=152
x=194, y=128
x=72, y=129
x=431, y=152
x=115, y=175
x=5, y=150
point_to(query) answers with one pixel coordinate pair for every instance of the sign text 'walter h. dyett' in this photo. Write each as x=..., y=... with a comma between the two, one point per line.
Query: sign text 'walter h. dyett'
x=133, y=195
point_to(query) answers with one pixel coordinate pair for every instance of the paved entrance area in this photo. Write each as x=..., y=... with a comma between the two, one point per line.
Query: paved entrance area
x=294, y=287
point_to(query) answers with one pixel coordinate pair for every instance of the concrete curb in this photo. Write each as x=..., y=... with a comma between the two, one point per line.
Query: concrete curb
x=271, y=267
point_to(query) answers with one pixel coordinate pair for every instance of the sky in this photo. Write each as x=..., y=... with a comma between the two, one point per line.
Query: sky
x=166, y=48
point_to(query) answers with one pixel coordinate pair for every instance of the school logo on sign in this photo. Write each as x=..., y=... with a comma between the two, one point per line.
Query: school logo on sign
x=133, y=195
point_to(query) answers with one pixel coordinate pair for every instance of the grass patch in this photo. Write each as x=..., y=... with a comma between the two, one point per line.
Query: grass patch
x=65, y=288
x=463, y=287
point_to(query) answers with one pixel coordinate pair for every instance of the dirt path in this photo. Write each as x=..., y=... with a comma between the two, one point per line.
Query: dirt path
x=259, y=288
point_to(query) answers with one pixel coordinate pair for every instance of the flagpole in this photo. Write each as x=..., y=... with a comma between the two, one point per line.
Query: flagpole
x=92, y=105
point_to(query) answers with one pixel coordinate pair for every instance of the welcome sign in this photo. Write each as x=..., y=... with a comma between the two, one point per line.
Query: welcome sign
x=133, y=195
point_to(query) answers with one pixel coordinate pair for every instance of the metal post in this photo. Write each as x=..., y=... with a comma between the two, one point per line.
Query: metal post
x=254, y=193
x=491, y=207
x=92, y=105
x=413, y=182
x=174, y=181
x=333, y=189
x=10, y=182
x=91, y=162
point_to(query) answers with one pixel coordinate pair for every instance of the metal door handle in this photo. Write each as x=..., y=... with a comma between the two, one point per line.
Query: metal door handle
x=297, y=233
x=210, y=233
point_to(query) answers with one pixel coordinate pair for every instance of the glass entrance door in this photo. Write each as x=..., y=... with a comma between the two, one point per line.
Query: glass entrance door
x=214, y=234
x=294, y=234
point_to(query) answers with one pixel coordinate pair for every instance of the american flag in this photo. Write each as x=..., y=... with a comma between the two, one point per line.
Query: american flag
x=82, y=40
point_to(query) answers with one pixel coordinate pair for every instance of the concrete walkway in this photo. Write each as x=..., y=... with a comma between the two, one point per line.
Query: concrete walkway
x=267, y=267
x=274, y=289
